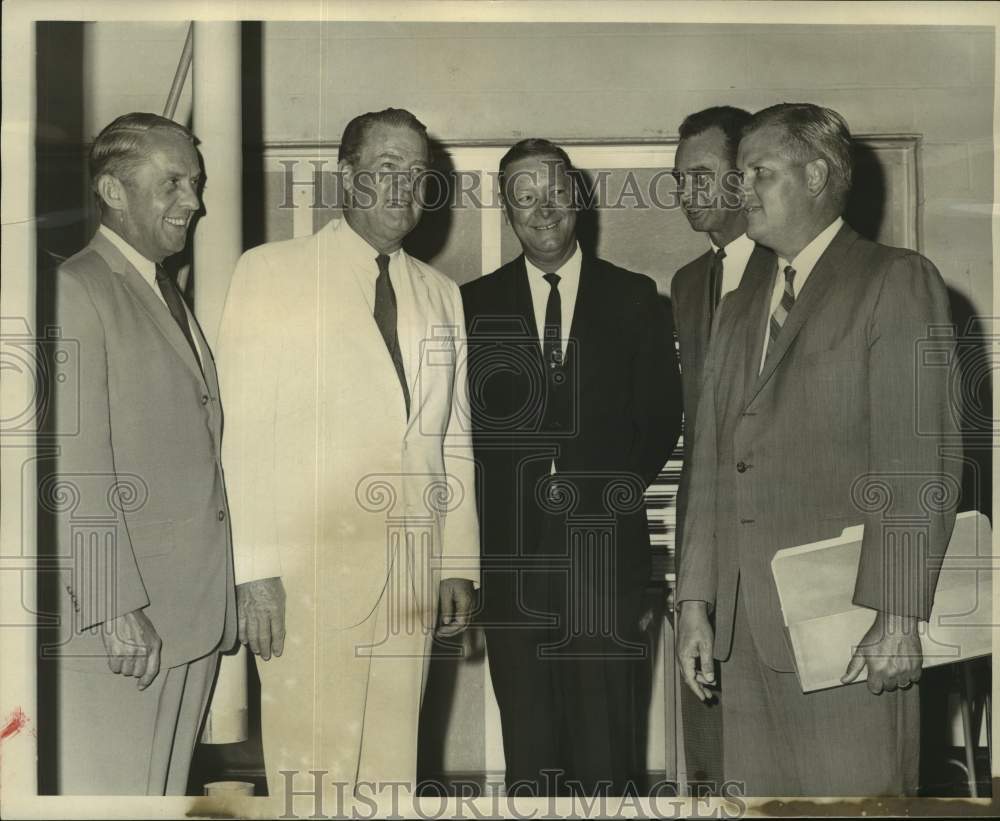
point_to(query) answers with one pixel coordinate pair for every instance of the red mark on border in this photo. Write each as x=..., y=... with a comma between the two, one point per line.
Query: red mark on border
x=14, y=724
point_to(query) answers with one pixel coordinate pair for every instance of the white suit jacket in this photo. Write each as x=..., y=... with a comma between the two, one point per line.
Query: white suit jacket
x=328, y=478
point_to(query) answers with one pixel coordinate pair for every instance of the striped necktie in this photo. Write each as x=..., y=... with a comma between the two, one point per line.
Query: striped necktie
x=781, y=312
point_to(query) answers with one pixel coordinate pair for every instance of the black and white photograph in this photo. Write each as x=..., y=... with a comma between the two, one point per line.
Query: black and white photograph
x=461, y=409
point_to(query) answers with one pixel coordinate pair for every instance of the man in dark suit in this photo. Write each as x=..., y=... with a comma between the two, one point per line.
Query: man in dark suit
x=136, y=491
x=705, y=170
x=823, y=406
x=576, y=407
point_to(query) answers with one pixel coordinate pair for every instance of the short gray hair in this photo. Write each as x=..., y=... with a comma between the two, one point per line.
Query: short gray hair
x=119, y=149
x=812, y=131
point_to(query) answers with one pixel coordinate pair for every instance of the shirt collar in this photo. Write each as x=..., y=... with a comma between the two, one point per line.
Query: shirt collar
x=357, y=249
x=807, y=258
x=570, y=269
x=736, y=247
x=144, y=266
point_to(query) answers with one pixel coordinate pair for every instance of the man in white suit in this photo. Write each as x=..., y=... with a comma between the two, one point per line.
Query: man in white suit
x=351, y=473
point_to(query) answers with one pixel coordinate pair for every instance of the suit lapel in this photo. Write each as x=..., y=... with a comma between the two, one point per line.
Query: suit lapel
x=523, y=306
x=820, y=279
x=524, y=309
x=587, y=300
x=209, y=373
x=704, y=305
x=415, y=327
x=759, y=279
x=207, y=361
x=158, y=312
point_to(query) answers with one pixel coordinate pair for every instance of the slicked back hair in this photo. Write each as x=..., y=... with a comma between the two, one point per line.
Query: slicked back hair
x=120, y=147
x=353, y=139
x=538, y=147
x=812, y=132
x=729, y=119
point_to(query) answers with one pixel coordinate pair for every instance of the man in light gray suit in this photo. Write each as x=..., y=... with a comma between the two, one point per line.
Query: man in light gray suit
x=137, y=498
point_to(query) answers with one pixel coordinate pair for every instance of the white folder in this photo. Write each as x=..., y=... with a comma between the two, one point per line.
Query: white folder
x=816, y=584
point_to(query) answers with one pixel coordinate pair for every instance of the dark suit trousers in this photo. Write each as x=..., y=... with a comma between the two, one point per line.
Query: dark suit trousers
x=117, y=740
x=565, y=689
x=780, y=741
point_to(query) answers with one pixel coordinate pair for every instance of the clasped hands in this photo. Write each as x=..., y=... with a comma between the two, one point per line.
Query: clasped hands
x=260, y=607
x=890, y=649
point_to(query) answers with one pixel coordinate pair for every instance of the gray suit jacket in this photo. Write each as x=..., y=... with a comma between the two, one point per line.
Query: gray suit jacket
x=843, y=426
x=139, y=504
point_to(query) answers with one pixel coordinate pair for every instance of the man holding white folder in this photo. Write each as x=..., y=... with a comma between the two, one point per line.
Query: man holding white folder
x=820, y=409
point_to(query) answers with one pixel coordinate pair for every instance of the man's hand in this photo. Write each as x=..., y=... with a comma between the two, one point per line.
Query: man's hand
x=133, y=647
x=694, y=644
x=891, y=649
x=260, y=607
x=456, y=598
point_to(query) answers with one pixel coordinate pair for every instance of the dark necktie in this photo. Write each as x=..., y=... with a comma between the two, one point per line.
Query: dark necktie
x=552, y=334
x=715, y=285
x=175, y=303
x=781, y=312
x=385, y=318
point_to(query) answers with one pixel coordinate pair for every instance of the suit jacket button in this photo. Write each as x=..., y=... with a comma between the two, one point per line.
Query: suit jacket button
x=741, y=467
x=204, y=399
x=222, y=515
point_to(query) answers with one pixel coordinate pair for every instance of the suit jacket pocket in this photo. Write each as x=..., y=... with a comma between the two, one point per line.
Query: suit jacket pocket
x=843, y=356
x=833, y=379
x=152, y=538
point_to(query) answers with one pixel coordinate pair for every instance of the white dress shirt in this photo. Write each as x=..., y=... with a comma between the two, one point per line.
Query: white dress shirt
x=734, y=263
x=146, y=269
x=803, y=265
x=569, y=284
